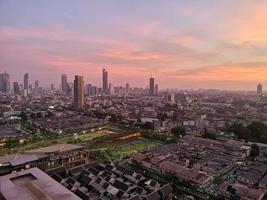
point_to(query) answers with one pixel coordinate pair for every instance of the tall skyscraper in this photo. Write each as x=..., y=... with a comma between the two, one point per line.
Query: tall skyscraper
x=88, y=89
x=52, y=87
x=36, y=84
x=4, y=83
x=26, y=84
x=78, y=91
x=151, y=86
x=156, y=89
x=16, y=88
x=70, y=89
x=127, y=88
x=259, y=89
x=105, y=81
x=64, y=83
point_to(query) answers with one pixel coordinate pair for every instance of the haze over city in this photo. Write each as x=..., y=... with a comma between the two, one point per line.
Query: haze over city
x=184, y=44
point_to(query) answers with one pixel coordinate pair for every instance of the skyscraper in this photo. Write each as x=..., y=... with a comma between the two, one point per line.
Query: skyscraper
x=105, y=81
x=259, y=89
x=36, y=84
x=16, y=88
x=127, y=88
x=151, y=86
x=26, y=84
x=88, y=89
x=4, y=83
x=64, y=83
x=156, y=89
x=78, y=91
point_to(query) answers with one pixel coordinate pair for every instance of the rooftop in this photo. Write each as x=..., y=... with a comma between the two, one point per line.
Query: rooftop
x=55, y=149
x=17, y=159
x=33, y=184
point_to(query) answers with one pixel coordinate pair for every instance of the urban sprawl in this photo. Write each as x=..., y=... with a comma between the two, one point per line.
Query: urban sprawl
x=80, y=141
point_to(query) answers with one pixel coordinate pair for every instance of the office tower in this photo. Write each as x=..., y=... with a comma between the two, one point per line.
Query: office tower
x=127, y=88
x=52, y=87
x=151, y=86
x=70, y=89
x=259, y=89
x=4, y=83
x=105, y=81
x=110, y=89
x=171, y=98
x=156, y=89
x=26, y=84
x=30, y=88
x=94, y=91
x=88, y=89
x=91, y=90
x=16, y=88
x=36, y=84
x=78, y=91
x=21, y=88
x=64, y=83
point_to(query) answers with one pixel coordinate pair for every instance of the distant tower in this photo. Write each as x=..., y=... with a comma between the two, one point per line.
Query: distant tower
x=105, y=81
x=259, y=89
x=16, y=88
x=151, y=86
x=78, y=91
x=64, y=83
x=156, y=89
x=36, y=84
x=4, y=83
x=127, y=88
x=26, y=84
x=52, y=87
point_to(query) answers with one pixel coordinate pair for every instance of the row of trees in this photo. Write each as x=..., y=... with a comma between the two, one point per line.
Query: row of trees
x=255, y=132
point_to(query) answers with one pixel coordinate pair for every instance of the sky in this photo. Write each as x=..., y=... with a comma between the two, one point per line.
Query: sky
x=184, y=44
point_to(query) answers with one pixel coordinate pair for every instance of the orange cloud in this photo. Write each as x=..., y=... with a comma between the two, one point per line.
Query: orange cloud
x=249, y=27
x=237, y=71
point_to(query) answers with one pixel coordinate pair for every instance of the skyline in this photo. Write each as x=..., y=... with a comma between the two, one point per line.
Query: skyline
x=172, y=40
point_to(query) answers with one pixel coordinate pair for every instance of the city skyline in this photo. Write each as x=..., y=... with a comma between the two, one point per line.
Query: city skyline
x=65, y=85
x=173, y=40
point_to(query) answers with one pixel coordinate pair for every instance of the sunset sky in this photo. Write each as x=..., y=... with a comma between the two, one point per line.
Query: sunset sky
x=182, y=43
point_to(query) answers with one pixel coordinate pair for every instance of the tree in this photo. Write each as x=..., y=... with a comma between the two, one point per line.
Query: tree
x=209, y=135
x=255, y=151
x=178, y=131
x=241, y=131
x=257, y=129
x=23, y=116
x=148, y=126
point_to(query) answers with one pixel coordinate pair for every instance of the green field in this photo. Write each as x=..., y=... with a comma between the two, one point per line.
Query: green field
x=121, y=149
x=32, y=142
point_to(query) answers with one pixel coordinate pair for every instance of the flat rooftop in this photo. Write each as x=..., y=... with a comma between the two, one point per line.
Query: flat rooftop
x=55, y=149
x=33, y=184
x=18, y=159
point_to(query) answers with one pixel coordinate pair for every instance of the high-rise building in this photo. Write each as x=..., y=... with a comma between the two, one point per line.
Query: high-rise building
x=105, y=81
x=70, y=89
x=78, y=91
x=94, y=91
x=16, y=88
x=30, y=88
x=88, y=89
x=127, y=88
x=64, y=83
x=259, y=89
x=110, y=89
x=151, y=86
x=36, y=84
x=156, y=89
x=26, y=84
x=4, y=83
